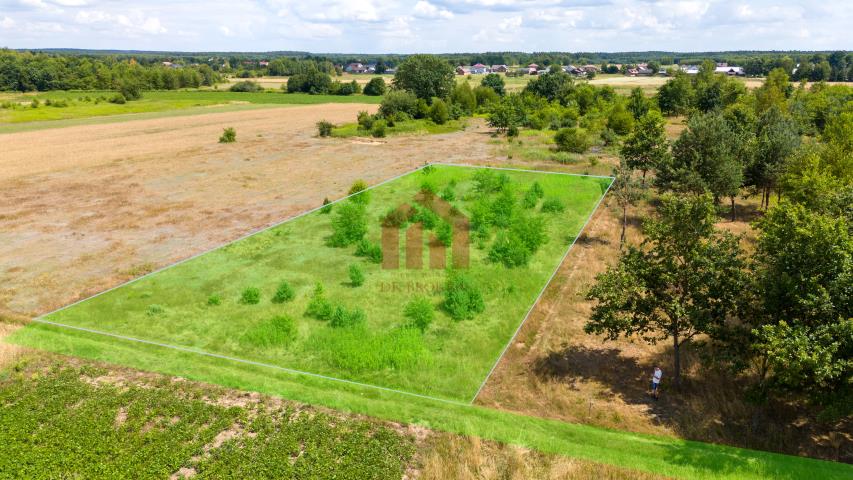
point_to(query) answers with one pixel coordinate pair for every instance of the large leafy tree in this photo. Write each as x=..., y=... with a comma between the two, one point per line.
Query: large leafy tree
x=804, y=281
x=682, y=281
x=426, y=76
x=675, y=97
x=647, y=146
x=776, y=139
x=706, y=157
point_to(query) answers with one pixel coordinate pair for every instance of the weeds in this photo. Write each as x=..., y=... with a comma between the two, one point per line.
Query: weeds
x=284, y=293
x=250, y=296
x=229, y=135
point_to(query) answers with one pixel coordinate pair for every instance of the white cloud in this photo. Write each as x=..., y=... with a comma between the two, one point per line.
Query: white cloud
x=136, y=23
x=424, y=9
x=225, y=30
x=7, y=23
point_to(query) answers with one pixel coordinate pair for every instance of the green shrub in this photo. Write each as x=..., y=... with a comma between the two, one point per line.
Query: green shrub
x=427, y=217
x=488, y=181
x=448, y=194
x=398, y=102
x=214, y=300
x=359, y=193
x=512, y=131
x=375, y=87
x=275, y=332
x=117, y=99
x=327, y=206
x=130, y=90
x=509, y=250
x=349, y=225
x=356, y=276
x=462, y=299
x=553, y=205
x=324, y=128
x=229, y=135
x=396, y=218
x=284, y=293
x=439, y=112
x=444, y=233
x=620, y=120
x=246, y=86
x=609, y=137
x=573, y=140
x=250, y=296
x=319, y=307
x=371, y=251
x=503, y=208
x=313, y=82
x=343, y=318
x=420, y=313
x=428, y=187
x=379, y=130
x=155, y=310
x=365, y=120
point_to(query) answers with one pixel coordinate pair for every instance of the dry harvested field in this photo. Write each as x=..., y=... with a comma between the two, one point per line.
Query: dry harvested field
x=85, y=208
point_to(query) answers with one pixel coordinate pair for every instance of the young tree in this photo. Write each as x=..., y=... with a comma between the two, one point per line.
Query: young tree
x=647, y=146
x=426, y=76
x=627, y=192
x=684, y=280
x=776, y=140
x=638, y=104
x=495, y=82
x=675, y=97
x=375, y=87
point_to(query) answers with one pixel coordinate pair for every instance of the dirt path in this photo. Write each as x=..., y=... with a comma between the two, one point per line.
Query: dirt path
x=85, y=208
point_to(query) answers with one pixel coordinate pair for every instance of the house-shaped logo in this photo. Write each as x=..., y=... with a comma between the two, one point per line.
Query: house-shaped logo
x=399, y=220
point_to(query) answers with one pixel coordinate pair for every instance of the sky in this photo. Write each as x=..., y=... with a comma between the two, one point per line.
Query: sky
x=428, y=26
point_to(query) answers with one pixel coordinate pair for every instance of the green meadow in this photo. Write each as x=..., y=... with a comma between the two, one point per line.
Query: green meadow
x=258, y=299
x=70, y=105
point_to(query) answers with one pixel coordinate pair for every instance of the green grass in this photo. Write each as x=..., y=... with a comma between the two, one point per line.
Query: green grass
x=55, y=422
x=660, y=455
x=152, y=101
x=449, y=360
x=411, y=127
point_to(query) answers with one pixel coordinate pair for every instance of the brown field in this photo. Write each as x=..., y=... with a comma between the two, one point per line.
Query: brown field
x=88, y=207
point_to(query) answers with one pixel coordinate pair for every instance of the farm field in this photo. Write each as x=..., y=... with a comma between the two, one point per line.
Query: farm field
x=81, y=104
x=449, y=359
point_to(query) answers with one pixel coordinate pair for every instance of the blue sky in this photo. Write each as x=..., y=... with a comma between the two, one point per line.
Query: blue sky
x=382, y=26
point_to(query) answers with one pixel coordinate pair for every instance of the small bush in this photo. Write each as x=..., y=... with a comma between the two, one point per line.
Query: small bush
x=609, y=137
x=214, y=300
x=395, y=218
x=448, y=194
x=365, y=120
x=246, y=86
x=420, y=313
x=229, y=135
x=356, y=276
x=439, y=112
x=428, y=187
x=349, y=225
x=379, y=130
x=503, y=208
x=399, y=102
x=462, y=299
x=375, y=87
x=324, y=128
x=444, y=233
x=509, y=250
x=512, y=131
x=553, y=205
x=427, y=217
x=276, y=332
x=319, y=307
x=250, y=296
x=487, y=181
x=359, y=193
x=155, y=310
x=343, y=318
x=284, y=293
x=371, y=251
x=530, y=199
x=130, y=90
x=573, y=140
x=327, y=206
x=118, y=99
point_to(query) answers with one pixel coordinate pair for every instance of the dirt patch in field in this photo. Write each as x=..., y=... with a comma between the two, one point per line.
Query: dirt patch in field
x=88, y=207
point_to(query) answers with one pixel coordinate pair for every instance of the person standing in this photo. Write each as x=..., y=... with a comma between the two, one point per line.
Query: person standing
x=656, y=376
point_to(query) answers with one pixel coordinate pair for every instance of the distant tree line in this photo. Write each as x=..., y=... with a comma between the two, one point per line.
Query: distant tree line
x=24, y=71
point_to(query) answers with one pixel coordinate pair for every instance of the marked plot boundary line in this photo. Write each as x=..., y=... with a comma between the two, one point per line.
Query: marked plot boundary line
x=41, y=318
x=542, y=292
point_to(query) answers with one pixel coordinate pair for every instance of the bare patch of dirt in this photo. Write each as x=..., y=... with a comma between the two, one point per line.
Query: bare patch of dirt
x=89, y=207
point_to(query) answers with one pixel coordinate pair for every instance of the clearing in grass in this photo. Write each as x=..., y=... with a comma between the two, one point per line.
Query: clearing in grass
x=328, y=324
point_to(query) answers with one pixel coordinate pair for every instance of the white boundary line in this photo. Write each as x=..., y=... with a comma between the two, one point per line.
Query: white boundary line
x=41, y=318
x=542, y=292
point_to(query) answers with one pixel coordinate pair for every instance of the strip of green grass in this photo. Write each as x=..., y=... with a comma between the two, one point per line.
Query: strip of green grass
x=659, y=455
x=153, y=101
x=411, y=127
x=449, y=359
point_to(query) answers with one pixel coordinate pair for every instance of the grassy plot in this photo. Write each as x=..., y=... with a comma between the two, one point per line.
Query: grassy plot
x=410, y=127
x=18, y=108
x=663, y=456
x=228, y=301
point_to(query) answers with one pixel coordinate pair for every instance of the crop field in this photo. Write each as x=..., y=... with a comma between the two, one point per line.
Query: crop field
x=66, y=105
x=205, y=303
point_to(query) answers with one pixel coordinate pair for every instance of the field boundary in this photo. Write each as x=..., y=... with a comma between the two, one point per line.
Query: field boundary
x=544, y=287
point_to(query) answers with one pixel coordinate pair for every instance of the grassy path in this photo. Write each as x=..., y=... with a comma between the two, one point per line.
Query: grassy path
x=663, y=456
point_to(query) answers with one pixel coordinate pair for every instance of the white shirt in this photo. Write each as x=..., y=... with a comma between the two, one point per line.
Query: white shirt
x=656, y=377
